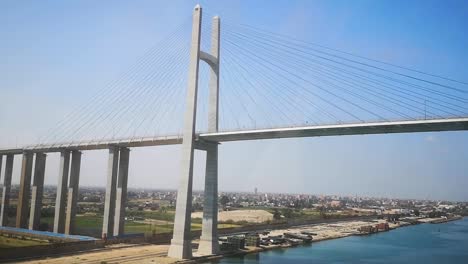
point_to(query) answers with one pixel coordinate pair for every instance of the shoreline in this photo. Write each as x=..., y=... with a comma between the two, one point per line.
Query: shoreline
x=328, y=232
x=157, y=253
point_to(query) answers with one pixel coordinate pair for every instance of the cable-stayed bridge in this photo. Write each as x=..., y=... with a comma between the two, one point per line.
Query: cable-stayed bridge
x=261, y=85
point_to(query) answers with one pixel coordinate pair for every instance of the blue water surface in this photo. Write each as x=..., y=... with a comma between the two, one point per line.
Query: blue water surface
x=425, y=243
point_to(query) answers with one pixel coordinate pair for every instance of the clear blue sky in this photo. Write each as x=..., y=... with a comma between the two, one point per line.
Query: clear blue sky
x=57, y=54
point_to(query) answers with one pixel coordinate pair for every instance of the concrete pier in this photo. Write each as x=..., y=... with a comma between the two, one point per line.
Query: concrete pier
x=181, y=246
x=3, y=192
x=73, y=189
x=121, y=201
x=209, y=244
x=6, y=189
x=25, y=186
x=109, y=204
x=37, y=191
x=60, y=200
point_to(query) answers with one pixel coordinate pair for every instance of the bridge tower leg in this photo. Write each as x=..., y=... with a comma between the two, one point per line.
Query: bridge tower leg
x=121, y=201
x=6, y=189
x=109, y=203
x=3, y=193
x=181, y=247
x=209, y=238
x=73, y=187
x=59, y=216
x=37, y=191
x=25, y=185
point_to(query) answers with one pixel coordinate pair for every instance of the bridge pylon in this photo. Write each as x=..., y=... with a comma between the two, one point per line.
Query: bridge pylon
x=209, y=238
x=181, y=247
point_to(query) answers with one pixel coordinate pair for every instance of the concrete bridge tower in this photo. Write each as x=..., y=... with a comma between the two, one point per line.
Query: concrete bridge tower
x=181, y=242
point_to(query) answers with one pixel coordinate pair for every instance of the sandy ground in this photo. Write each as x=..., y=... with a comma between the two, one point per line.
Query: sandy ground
x=251, y=216
x=118, y=254
x=428, y=220
x=153, y=222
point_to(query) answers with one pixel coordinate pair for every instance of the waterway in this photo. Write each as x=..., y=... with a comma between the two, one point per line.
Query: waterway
x=424, y=243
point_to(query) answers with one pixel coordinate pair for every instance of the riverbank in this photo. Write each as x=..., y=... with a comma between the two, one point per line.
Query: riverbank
x=322, y=232
x=414, y=244
x=150, y=253
x=440, y=220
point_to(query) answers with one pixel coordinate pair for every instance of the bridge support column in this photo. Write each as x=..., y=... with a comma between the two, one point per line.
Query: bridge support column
x=121, y=201
x=73, y=189
x=37, y=191
x=109, y=203
x=59, y=217
x=181, y=244
x=209, y=244
x=6, y=189
x=25, y=185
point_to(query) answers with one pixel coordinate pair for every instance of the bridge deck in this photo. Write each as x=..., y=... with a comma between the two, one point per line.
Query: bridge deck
x=96, y=145
x=434, y=125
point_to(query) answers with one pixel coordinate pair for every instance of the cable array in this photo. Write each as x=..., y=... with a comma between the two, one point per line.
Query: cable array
x=271, y=80
x=267, y=80
x=145, y=100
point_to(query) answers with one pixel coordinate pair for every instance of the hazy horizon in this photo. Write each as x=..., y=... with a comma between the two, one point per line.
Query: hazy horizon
x=260, y=192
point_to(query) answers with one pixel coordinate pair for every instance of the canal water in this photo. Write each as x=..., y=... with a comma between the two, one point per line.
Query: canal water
x=424, y=243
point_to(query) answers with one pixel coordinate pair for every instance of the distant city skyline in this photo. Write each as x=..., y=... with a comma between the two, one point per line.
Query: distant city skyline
x=58, y=54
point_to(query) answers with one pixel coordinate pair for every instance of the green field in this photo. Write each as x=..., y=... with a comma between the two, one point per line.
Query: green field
x=90, y=225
